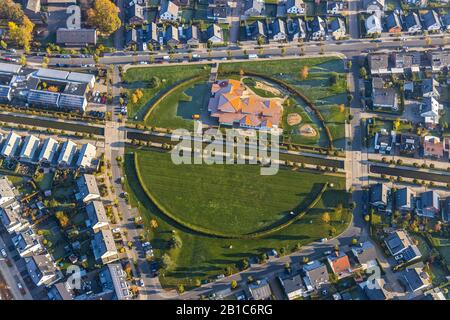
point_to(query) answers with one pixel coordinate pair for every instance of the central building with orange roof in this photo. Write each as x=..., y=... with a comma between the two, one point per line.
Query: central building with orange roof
x=233, y=105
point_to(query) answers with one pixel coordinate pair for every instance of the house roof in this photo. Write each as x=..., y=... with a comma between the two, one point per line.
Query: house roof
x=429, y=199
x=433, y=146
x=103, y=243
x=379, y=192
x=316, y=272
x=393, y=21
x=87, y=184
x=11, y=144
x=430, y=18
x=9, y=68
x=68, y=151
x=278, y=26
x=378, y=61
x=6, y=188
x=40, y=266
x=260, y=290
x=87, y=154
x=29, y=147
x=96, y=212
x=339, y=262
x=364, y=252
x=74, y=36
x=412, y=20
x=416, y=278
x=136, y=11
x=49, y=149
x=292, y=283
x=170, y=7
x=337, y=25
x=214, y=30
x=404, y=197
x=373, y=22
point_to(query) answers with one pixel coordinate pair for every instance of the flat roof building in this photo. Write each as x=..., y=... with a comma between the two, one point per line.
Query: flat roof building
x=48, y=151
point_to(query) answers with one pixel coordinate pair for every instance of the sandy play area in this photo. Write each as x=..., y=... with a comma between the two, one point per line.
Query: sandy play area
x=293, y=119
x=308, y=131
x=265, y=87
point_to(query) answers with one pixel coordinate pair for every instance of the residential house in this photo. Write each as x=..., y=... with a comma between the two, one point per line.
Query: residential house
x=279, y=30
x=439, y=60
x=335, y=7
x=114, y=278
x=379, y=195
x=428, y=204
x=366, y=254
x=69, y=148
x=293, y=286
x=416, y=279
x=431, y=21
x=295, y=7
x=378, y=64
x=192, y=36
x=7, y=194
x=446, y=210
x=392, y=23
x=86, y=156
x=446, y=21
x=373, y=25
x=220, y=10
x=404, y=199
x=298, y=29
x=11, y=145
x=317, y=28
x=27, y=243
x=87, y=188
x=260, y=290
x=339, y=264
x=417, y=3
x=430, y=112
x=29, y=148
x=374, y=6
x=430, y=88
x=337, y=28
x=76, y=37
x=42, y=269
x=97, y=216
x=316, y=275
x=259, y=30
x=104, y=247
x=409, y=144
x=169, y=11
x=412, y=23
x=171, y=36
x=151, y=35
x=136, y=14
x=382, y=97
x=254, y=8
x=214, y=34
x=11, y=218
x=401, y=246
x=407, y=61
x=384, y=141
x=48, y=151
x=433, y=147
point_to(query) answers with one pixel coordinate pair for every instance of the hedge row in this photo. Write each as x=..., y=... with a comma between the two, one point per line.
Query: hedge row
x=293, y=90
x=207, y=232
x=170, y=91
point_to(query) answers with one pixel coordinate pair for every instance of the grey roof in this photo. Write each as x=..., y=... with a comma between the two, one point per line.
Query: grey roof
x=376, y=292
x=429, y=85
x=367, y=3
x=278, y=26
x=63, y=291
x=6, y=189
x=69, y=101
x=317, y=24
x=393, y=21
x=446, y=19
x=171, y=34
x=102, y=243
x=39, y=266
x=378, y=61
x=429, y=199
x=365, y=252
x=48, y=151
x=42, y=97
x=407, y=59
x=33, y=5
x=81, y=77
x=9, y=68
x=379, y=193
x=316, y=272
x=192, y=33
x=404, y=198
x=76, y=36
x=169, y=6
x=412, y=20
x=87, y=185
x=259, y=29
x=257, y=5
x=96, y=212
x=136, y=11
x=131, y=36
x=116, y=279
x=4, y=92
x=416, y=278
x=430, y=18
x=292, y=283
x=439, y=59
x=386, y=97
x=52, y=74
x=214, y=30
x=337, y=25
x=152, y=33
x=260, y=290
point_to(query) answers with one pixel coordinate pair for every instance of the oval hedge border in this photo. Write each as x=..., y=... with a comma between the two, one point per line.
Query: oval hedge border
x=207, y=232
x=295, y=91
x=170, y=91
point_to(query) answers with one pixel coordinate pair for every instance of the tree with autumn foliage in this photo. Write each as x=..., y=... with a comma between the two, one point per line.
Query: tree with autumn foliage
x=104, y=16
x=326, y=217
x=304, y=73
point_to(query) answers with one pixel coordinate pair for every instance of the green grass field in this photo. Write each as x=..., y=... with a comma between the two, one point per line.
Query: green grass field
x=138, y=78
x=227, y=198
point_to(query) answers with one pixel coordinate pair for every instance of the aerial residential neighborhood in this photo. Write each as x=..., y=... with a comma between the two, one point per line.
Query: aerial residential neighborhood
x=232, y=150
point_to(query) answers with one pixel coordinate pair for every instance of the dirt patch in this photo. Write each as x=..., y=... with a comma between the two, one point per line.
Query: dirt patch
x=265, y=87
x=308, y=131
x=293, y=119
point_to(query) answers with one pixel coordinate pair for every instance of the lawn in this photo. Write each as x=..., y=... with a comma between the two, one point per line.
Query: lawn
x=177, y=109
x=325, y=85
x=139, y=78
x=228, y=198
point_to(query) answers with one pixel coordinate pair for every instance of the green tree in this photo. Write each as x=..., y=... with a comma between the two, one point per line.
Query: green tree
x=3, y=44
x=234, y=284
